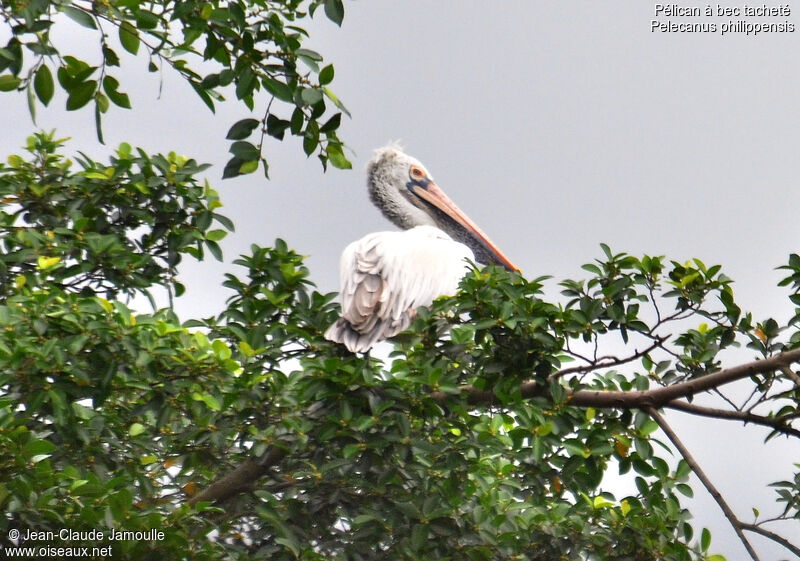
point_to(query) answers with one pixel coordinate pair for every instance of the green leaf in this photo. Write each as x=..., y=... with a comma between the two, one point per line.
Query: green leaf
x=216, y=235
x=43, y=84
x=37, y=447
x=147, y=460
x=326, y=75
x=136, y=429
x=336, y=101
x=276, y=127
x=31, y=101
x=649, y=427
x=81, y=17
x=705, y=539
x=110, y=85
x=81, y=95
x=336, y=156
x=97, y=116
x=210, y=401
x=278, y=89
x=8, y=82
x=215, y=250
x=331, y=124
x=290, y=543
x=199, y=91
x=311, y=96
x=102, y=102
x=242, y=129
x=244, y=150
x=334, y=9
x=232, y=168
x=248, y=167
x=44, y=263
x=129, y=37
x=311, y=138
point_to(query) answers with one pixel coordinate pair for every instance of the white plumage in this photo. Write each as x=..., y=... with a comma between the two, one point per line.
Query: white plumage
x=386, y=276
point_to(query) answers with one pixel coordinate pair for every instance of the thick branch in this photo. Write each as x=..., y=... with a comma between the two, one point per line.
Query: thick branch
x=777, y=423
x=660, y=396
x=645, y=398
x=729, y=514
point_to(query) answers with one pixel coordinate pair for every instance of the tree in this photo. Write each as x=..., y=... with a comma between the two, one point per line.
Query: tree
x=487, y=433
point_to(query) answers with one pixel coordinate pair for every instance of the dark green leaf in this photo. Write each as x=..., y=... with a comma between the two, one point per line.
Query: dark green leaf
x=296, y=124
x=43, y=84
x=83, y=18
x=334, y=9
x=81, y=95
x=110, y=56
x=311, y=138
x=278, y=89
x=276, y=127
x=129, y=37
x=232, y=168
x=326, y=75
x=245, y=84
x=332, y=124
x=244, y=150
x=215, y=250
x=242, y=129
x=110, y=85
x=98, y=118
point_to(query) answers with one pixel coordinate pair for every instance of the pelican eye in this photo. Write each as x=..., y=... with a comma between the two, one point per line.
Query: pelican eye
x=417, y=173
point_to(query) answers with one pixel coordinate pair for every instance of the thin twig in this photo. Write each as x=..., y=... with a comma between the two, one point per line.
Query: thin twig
x=604, y=362
x=773, y=536
x=729, y=514
x=792, y=375
x=777, y=423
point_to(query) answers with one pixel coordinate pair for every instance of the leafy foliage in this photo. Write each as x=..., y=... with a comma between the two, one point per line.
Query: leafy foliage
x=248, y=49
x=486, y=434
x=107, y=228
x=128, y=417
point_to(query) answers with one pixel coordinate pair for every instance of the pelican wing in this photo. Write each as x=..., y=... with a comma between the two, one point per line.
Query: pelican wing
x=385, y=276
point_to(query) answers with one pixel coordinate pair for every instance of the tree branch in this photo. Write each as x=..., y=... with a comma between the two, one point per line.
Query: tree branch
x=729, y=514
x=642, y=399
x=660, y=396
x=240, y=479
x=773, y=536
x=792, y=375
x=777, y=423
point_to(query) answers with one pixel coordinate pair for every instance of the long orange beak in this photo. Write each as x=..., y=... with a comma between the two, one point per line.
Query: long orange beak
x=437, y=198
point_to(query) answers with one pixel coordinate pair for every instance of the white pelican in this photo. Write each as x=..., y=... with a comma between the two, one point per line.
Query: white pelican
x=386, y=276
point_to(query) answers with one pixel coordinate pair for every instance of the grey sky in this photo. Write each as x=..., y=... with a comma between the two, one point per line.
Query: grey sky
x=555, y=125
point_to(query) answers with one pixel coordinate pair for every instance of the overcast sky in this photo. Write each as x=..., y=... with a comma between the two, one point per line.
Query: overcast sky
x=556, y=126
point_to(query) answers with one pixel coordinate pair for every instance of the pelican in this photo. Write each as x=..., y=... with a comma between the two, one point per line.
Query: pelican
x=386, y=276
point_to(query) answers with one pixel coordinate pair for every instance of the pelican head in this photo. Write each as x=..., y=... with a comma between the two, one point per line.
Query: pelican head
x=408, y=196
